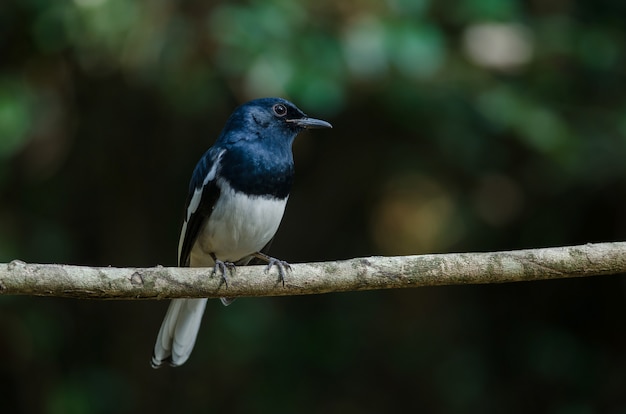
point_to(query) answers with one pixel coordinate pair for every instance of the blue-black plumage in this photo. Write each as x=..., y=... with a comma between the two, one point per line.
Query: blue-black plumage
x=237, y=197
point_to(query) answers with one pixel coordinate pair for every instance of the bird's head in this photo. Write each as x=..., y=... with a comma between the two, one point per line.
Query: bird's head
x=273, y=118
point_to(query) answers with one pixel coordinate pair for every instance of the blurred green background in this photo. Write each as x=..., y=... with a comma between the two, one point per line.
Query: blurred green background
x=458, y=126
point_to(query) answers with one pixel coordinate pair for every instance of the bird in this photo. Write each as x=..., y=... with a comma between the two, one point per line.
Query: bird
x=237, y=196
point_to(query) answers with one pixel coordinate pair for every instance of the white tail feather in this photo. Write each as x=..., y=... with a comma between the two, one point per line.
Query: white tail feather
x=178, y=332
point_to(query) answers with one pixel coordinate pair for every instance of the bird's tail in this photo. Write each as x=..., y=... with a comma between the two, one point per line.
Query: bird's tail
x=178, y=332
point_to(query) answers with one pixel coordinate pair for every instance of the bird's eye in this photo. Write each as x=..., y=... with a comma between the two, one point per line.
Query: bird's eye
x=280, y=109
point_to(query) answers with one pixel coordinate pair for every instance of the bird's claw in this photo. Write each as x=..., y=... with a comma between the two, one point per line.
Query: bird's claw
x=221, y=268
x=282, y=266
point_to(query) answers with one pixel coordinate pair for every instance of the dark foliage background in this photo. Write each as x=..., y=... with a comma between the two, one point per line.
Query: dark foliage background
x=459, y=126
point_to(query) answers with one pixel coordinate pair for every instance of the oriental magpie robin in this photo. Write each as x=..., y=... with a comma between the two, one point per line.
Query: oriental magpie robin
x=237, y=197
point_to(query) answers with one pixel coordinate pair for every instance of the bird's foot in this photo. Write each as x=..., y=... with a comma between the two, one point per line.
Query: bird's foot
x=283, y=266
x=221, y=268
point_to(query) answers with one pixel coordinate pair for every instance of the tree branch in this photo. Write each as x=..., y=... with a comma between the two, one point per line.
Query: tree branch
x=19, y=278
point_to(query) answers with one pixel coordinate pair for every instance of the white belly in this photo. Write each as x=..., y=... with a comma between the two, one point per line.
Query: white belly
x=238, y=226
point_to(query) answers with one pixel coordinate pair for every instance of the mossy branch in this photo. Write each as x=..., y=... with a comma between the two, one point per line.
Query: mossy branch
x=84, y=282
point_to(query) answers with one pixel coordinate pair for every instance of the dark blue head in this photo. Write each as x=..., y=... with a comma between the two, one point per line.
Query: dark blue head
x=268, y=119
x=258, y=137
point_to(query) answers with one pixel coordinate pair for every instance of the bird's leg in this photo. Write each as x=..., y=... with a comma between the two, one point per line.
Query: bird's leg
x=221, y=267
x=282, y=265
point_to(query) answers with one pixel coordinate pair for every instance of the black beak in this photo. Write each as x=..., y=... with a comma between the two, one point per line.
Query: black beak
x=310, y=123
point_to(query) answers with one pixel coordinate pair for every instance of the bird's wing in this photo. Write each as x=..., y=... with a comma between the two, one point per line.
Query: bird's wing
x=203, y=194
x=179, y=329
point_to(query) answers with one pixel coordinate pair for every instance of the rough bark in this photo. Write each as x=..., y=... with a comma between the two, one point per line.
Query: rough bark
x=19, y=278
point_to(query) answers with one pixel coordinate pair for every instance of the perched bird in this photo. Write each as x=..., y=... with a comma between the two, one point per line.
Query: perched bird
x=237, y=197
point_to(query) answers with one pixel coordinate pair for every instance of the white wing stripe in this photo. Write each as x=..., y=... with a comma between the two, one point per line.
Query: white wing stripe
x=194, y=203
x=211, y=175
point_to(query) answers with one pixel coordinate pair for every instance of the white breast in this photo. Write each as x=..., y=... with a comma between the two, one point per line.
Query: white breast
x=238, y=226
